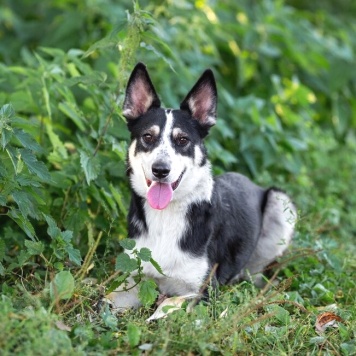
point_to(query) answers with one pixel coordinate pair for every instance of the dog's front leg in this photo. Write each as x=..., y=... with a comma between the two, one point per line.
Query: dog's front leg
x=124, y=297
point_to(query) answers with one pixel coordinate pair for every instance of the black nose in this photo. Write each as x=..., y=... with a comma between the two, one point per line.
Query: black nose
x=161, y=169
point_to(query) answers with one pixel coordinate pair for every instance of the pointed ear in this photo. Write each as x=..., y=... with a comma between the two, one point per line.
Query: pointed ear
x=201, y=100
x=140, y=93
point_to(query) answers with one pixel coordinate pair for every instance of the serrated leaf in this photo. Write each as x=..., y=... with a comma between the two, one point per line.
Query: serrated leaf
x=148, y=292
x=128, y=244
x=90, y=165
x=144, y=254
x=74, y=255
x=7, y=112
x=95, y=78
x=106, y=42
x=6, y=134
x=23, y=222
x=70, y=110
x=34, y=247
x=67, y=235
x=57, y=144
x=23, y=257
x=110, y=320
x=27, y=140
x=24, y=203
x=117, y=283
x=62, y=286
x=124, y=263
x=133, y=334
x=14, y=157
x=34, y=166
x=156, y=266
x=118, y=198
x=53, y=229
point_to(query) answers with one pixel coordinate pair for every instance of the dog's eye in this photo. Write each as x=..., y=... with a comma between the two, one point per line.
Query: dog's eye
x=147, y=138
x=182, y=141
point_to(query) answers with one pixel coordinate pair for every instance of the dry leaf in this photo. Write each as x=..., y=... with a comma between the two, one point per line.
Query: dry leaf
x=172, y=304
x=224, y=313
x=327, y=320
x=61, y=326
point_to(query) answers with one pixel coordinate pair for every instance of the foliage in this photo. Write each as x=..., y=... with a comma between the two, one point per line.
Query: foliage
x=286, y=82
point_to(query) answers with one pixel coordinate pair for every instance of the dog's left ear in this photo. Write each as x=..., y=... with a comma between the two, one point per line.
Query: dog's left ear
x=201, y=100
x=140, y=93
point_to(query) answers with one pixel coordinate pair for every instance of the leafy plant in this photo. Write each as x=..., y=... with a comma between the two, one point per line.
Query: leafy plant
x=286, y=82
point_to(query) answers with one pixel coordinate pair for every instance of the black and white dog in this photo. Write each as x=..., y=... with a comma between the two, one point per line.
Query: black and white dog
x=190, y=221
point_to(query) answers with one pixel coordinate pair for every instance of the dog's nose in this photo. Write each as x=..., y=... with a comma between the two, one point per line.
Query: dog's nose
x=161, y=169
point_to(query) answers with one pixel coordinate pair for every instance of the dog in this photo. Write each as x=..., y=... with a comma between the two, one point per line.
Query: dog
x=193, y=223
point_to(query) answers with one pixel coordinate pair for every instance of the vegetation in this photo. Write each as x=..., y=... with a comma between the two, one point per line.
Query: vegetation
x=287, y=109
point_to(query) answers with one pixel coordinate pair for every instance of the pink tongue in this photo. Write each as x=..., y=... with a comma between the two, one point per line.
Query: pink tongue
x=159, y=195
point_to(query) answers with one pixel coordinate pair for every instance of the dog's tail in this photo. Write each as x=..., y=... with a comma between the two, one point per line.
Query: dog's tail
x=278, y=225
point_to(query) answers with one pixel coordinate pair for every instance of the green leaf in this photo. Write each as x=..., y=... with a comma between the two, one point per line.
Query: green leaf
x=57, y=144
x=133, y=334
x=110, y=320
x=144, y=254
x=23, y=222
x=117, y=282
x=53, y=229
x=70, y=110
x=128, y=244
x=2, y=270
x=106, y=42
x=6, y=134
x=23, y=201
x=27, y=141
x=36, y=167
x=62, y=286
x=156, y=266
x=148, y=292
x=2, y=249
x=90, y=165
x=118, y=198
x=95, y=78
x=34, y=247
x=74, y=255
x=6, y=112
x=14, y=157
x=23, y=257
x=124, y=263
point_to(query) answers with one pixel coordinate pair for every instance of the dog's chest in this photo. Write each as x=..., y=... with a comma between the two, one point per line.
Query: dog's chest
x=183, y=272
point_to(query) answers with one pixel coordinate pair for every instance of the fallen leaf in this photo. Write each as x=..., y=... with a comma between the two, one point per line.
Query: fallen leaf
x=61, y=326
x=327, y=320
x=224, y=313
x=169, y=305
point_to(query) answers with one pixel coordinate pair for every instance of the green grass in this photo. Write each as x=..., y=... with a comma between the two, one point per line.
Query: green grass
x=316, y=276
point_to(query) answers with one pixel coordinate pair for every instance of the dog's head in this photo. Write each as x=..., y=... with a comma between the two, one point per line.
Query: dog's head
x=167, y=159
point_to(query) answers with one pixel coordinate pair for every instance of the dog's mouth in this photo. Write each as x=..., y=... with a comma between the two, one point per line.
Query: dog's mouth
x=160, y=194
x=174, y=185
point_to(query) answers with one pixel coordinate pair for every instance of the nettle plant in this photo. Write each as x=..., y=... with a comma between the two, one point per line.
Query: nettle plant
x=130, y=263
x=63, y=186
x=24, y=181
x=23, y=200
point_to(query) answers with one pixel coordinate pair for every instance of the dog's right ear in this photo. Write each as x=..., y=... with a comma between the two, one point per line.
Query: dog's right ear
x=140, y=93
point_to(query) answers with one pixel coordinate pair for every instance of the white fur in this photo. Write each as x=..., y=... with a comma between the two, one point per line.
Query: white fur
x=195, y=179
x=183, y=273
x=277, y=231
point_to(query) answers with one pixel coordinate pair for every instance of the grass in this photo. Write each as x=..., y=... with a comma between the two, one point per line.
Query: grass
x=318, y=276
